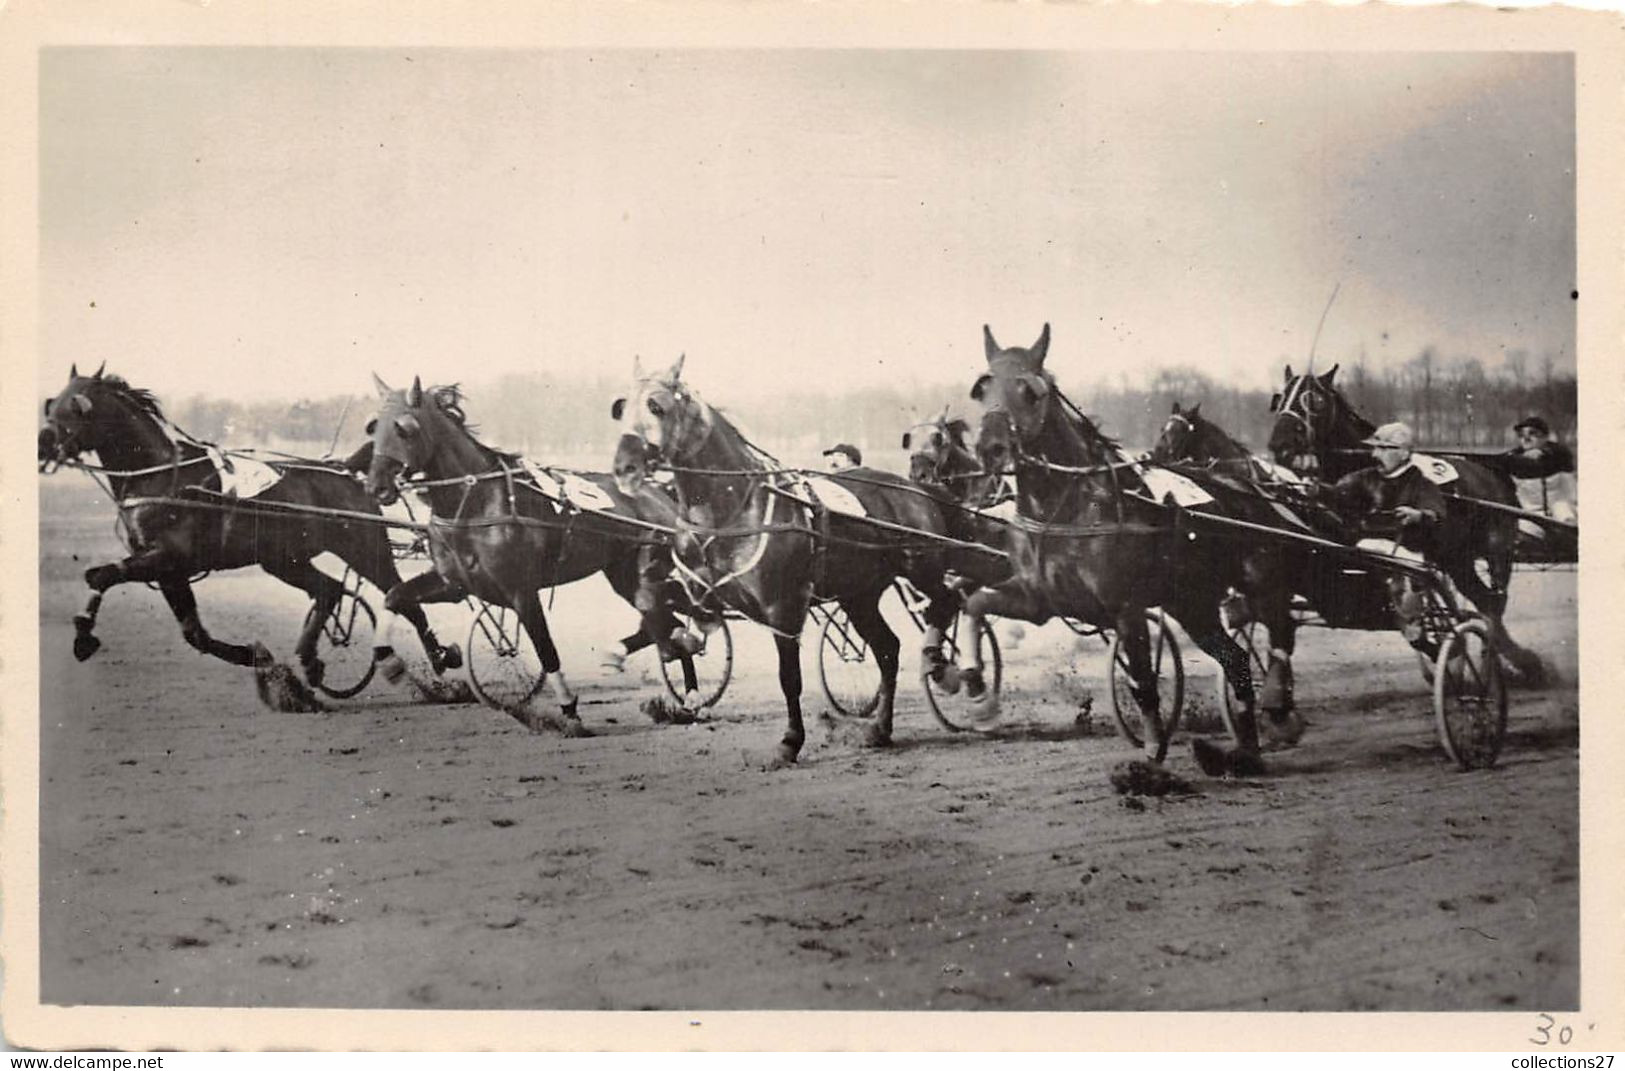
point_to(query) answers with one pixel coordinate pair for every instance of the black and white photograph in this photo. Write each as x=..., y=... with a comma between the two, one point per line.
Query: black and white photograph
x=933, y=514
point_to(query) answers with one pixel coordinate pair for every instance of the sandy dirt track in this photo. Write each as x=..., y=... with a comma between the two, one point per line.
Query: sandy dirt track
x=197, y=849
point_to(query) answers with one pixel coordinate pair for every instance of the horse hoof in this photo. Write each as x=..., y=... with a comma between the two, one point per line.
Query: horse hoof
x=614, y=661
x=1209, y=757
x=975, y=686
x=573, y=729
x=315, y=671
x=85, y=645
x=875, y=737
x=451, y=657
x=1284, y=728
x=784, y=759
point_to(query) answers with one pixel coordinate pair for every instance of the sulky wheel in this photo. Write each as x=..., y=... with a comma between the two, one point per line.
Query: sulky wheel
x=953, y=709
x=1470, y=696
x=1169, y=670
x=713, y=662
x=345, y=646
x=502, y=665
x=846, y=668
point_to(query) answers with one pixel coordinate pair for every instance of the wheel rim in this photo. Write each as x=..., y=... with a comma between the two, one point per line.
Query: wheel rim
x=502, y=667
x=713, y=664
x=1469, y=697
x=1254, y=639
x=849, y=675
x=958, y=712
x=345, y=646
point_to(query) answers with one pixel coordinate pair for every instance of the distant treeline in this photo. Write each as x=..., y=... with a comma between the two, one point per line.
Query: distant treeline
x=1459, y=403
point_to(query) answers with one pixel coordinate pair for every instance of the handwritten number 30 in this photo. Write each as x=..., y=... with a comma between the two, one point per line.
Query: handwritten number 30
x=1565, y=1034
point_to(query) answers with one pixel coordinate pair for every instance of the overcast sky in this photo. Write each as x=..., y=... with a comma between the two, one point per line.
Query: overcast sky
x=268, y=222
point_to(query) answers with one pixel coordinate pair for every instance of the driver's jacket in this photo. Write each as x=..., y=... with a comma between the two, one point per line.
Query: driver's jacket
x=1367, y=499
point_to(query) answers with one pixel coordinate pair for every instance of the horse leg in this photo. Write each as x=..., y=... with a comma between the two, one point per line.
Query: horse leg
x=145, y=566
x=567, y=721
x=278, y=687
x=1135, y=640
x=1489, y=596
x=864, y=613
x=325, y=593
x=642, y=580
x=790, y=683
x=1271, y=597
x=1004, y=601
x=405, y=599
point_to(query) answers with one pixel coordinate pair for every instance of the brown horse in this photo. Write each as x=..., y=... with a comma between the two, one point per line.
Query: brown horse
x=496, y=534
x=1092, y=542
x=154, y=470
x=765, y=543
x=1317, y=433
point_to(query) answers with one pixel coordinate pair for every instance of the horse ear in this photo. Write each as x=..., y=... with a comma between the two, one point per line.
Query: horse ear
x=637, y=368
x=100, y=370
x=908, y=439
x=1194, y=411
x=676, y=369
x=1176, y=409
x=384, y=390
x=73, y=370
x=616, y=408
x=1041, y=347
x=414, y=397
x=1327, y=378
x=988, y=343
x=1289, y=373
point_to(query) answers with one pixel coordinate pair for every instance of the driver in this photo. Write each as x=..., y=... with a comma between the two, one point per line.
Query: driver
x=1399, y=511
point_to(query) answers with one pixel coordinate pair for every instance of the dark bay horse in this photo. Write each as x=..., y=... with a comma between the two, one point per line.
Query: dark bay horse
x=752, y=538
x=154, y=469
x=1090, y=542
x=496, y=535
x=1317, y=433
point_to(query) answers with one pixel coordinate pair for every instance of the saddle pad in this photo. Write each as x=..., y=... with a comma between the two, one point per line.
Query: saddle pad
x=1164, y=485
x=1436, y=469
x=833, y=496
x=243, y=477
x=1390, y=549
x=569, y=488
x=1004, y=511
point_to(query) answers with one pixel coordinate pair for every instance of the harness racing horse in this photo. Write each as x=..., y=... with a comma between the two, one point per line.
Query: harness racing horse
x=751, y=536
x=1090, y=541
x=1317, y=433
x=156, y=472
x=496, y=534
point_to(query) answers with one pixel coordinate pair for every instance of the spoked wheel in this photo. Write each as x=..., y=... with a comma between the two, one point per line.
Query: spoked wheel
x=1169, y=671
x=345, y=645
x=1470, y=696
x=954, y=709
x=1255, y=640
x=502, y=665
x=713, y=662
x=846, y=668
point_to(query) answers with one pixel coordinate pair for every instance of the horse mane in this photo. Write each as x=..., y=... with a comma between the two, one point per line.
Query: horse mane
x=144, y=399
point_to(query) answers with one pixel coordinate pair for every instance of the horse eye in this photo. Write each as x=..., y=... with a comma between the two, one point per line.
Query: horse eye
x=654, y=407
x=408, y=426
x=1029, y=392
x=1313, y=402
x=616, y=408
x=372, y=426
x=48, y=403
x=979, y=388
x=81, y=403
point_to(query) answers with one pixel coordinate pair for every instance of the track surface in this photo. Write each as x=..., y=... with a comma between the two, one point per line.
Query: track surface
x=198, y=849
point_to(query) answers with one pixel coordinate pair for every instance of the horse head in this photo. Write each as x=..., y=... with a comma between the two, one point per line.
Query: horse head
x=1309, y=414
x=939, y=450
x=406, y=433
x=78, y=418
x=1178, y=439
x=661, y=420
x=1016, y=396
